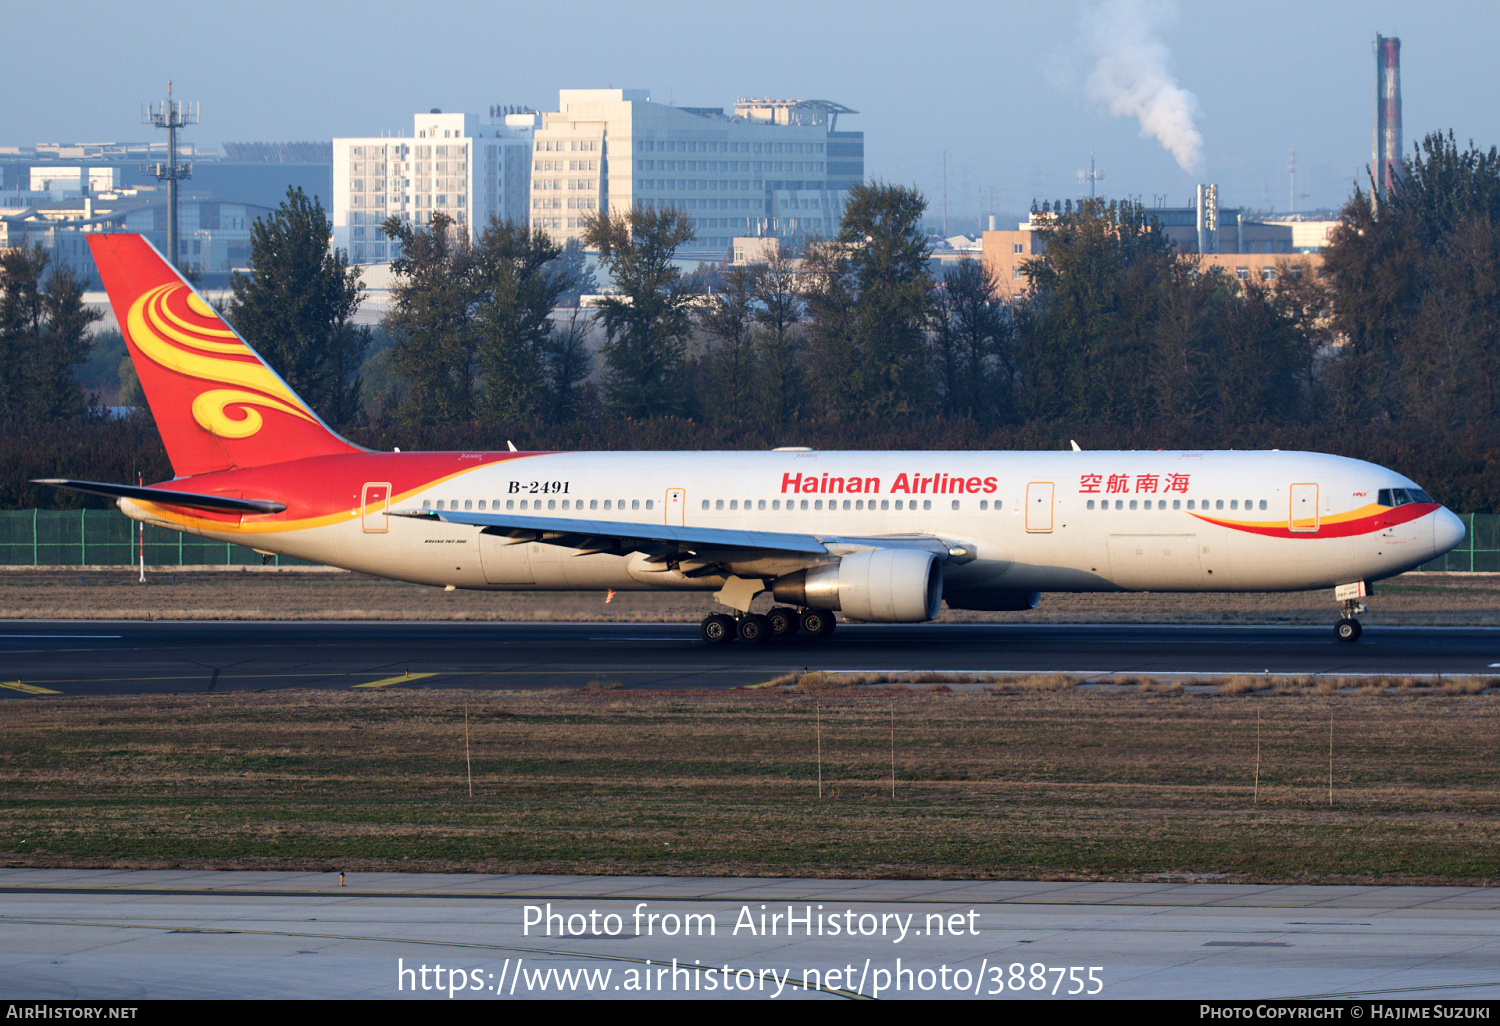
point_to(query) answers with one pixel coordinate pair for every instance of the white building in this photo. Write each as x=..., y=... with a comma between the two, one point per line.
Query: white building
x=772, y=168
x=451, y=164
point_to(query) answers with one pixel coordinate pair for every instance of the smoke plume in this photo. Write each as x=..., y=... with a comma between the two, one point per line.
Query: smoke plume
x=1130, y=75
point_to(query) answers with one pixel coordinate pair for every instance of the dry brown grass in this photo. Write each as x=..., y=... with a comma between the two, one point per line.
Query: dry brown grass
x=1028, y=783
x=1415, y=599
x=1241, y=684
x=938, y=682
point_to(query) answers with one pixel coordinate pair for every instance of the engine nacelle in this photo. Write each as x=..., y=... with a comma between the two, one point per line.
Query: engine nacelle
x=882, y=586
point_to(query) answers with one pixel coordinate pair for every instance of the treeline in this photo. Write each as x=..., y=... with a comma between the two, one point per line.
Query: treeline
x=1391, y=355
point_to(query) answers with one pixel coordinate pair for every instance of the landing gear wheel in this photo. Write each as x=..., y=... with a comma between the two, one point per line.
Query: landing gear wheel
x=817, y=622
x=783, y=620
x=1347, y=629
x=717, y=629
x=754, y=629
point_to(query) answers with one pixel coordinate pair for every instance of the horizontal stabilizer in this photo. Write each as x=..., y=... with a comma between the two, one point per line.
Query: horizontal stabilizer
x=166, y=497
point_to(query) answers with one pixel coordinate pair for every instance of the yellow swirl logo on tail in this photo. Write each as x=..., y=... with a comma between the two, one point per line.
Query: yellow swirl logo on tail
x=178, y=342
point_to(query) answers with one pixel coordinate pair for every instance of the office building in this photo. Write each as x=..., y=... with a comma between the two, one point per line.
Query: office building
x=772, y=168
x=452, y=164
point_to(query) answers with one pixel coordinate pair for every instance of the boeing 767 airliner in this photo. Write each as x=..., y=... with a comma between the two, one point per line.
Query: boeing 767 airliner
x=877, y=536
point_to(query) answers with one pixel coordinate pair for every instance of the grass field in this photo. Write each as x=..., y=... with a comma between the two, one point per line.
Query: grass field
x=1416, y=599
x=1033, y=779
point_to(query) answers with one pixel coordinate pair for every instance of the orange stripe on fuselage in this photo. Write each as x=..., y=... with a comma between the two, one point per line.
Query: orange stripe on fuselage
x=1365, y=520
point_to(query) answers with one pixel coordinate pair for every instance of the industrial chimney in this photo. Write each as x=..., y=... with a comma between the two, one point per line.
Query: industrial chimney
x=1386, y=162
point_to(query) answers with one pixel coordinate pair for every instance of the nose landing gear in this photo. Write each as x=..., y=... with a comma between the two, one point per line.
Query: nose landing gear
x=1348, y=597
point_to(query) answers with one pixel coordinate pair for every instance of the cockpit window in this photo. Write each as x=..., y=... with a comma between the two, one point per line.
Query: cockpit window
x=1401, y=496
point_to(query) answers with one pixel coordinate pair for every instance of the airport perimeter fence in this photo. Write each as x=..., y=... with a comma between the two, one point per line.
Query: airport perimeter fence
x=106, y=537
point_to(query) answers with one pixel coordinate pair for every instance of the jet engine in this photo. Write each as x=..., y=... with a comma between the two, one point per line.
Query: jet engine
x=882, y=586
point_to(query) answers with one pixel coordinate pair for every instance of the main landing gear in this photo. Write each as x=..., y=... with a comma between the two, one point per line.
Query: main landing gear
x=756, y=628
x=1348, y=597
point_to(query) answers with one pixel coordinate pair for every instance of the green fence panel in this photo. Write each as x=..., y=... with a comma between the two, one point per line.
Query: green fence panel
x=106, y=537
x=1480, y=549
x=17, y=538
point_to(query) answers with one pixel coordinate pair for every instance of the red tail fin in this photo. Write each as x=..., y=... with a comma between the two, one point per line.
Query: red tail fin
x=216, y=403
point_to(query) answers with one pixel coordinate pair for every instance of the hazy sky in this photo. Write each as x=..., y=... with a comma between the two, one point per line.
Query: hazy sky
x=1015, y=93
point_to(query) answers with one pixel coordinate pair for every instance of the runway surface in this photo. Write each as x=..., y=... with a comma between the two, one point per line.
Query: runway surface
x=103, y=657
x=103, y=934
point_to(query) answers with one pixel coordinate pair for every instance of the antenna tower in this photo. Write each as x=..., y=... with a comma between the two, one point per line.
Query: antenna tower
x=170, y=114
x=1093, y=176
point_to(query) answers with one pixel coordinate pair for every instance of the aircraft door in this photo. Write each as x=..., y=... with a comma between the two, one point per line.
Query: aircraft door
x=676, y=507
x=1039, y=506
x=1302, y=517
x=375, y=503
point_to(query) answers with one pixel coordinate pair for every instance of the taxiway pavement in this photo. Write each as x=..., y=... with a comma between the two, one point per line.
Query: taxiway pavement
x=105, y=657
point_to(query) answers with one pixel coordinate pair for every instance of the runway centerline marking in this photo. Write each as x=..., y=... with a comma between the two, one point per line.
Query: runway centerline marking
x=402, y=679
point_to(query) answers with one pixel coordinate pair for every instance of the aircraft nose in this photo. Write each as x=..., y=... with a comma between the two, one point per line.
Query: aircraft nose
x=1447, y=531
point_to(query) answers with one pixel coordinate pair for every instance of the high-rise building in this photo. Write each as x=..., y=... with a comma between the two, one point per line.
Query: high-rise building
x=771, y=168
x=452, y=164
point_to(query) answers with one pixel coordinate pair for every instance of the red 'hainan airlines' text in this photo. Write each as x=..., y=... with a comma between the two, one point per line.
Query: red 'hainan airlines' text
x=913, y=484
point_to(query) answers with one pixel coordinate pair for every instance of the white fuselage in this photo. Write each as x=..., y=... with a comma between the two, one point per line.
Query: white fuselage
x=1025, y=521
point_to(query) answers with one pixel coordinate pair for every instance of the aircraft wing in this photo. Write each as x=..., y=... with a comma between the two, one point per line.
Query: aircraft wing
x=656, y=539
x=615, y=536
